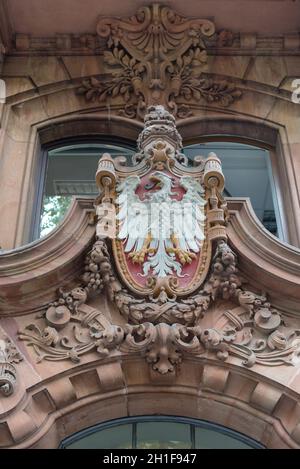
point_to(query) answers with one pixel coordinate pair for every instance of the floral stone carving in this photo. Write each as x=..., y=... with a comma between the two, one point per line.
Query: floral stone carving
x=158, y=57
x=168, y=310
x=9, y=355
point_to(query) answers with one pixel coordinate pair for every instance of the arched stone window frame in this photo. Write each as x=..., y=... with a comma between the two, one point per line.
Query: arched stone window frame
x=250, y=131
x=101, y=139
x=54, y=134
x=156, y=419
x=253, y=132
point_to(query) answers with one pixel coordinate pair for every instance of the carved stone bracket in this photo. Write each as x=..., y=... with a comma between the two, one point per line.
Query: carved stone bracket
x=9, y=355
x=162, y=345
x=158, y=57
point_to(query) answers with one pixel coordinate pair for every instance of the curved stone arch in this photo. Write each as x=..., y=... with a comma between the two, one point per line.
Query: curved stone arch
x=71, y=84
x=262, y=255
x=252, y=130
x=66, y=89
x=91, y=394
x=57, y=258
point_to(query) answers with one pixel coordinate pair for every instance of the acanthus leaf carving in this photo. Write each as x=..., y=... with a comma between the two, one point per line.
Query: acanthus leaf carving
x=155, y=57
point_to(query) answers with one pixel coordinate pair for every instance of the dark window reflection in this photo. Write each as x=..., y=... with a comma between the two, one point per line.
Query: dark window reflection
x=119, y=437
x=71, y=172
x=159, y=433
x=248, y=173
x=167, y=435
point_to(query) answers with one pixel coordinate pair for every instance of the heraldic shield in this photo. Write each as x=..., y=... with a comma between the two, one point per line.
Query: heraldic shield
x=161, y=213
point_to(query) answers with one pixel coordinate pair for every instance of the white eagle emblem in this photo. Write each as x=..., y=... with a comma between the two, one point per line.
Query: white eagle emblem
x=161, y=233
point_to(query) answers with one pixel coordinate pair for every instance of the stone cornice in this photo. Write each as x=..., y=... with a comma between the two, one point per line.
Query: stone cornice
x=89, y=44
x=218, y=41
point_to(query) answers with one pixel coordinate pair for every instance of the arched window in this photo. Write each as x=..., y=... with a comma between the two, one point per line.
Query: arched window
x=248, y=173
x=159, y=432
x=69, y=170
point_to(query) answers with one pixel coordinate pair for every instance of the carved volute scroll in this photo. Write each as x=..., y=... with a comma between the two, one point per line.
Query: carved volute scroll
x=9, y=356
x=158, y=57
x=165, y=286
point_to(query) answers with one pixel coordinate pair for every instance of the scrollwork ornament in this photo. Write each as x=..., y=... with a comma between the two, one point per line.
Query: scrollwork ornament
x=163, y=331
x=158, y=57
x=9, y=356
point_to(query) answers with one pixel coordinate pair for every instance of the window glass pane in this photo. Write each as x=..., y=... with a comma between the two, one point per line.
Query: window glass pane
x=157, y=433
x=118, y=437
x=71, y=171
x=247, y=171
x=169, y=435
x=210, y=439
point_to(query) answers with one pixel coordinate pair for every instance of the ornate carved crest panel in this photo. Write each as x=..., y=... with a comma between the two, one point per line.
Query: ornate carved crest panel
x=158, y=57
x=161, y=213
x=9, y=356
x=170, y=274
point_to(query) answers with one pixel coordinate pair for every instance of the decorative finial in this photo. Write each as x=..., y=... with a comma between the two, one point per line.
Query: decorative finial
x=159, y=126
x=159, y=122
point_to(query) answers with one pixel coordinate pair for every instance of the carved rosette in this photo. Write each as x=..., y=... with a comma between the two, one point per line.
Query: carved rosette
x=158, y=57
x=168, y=314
